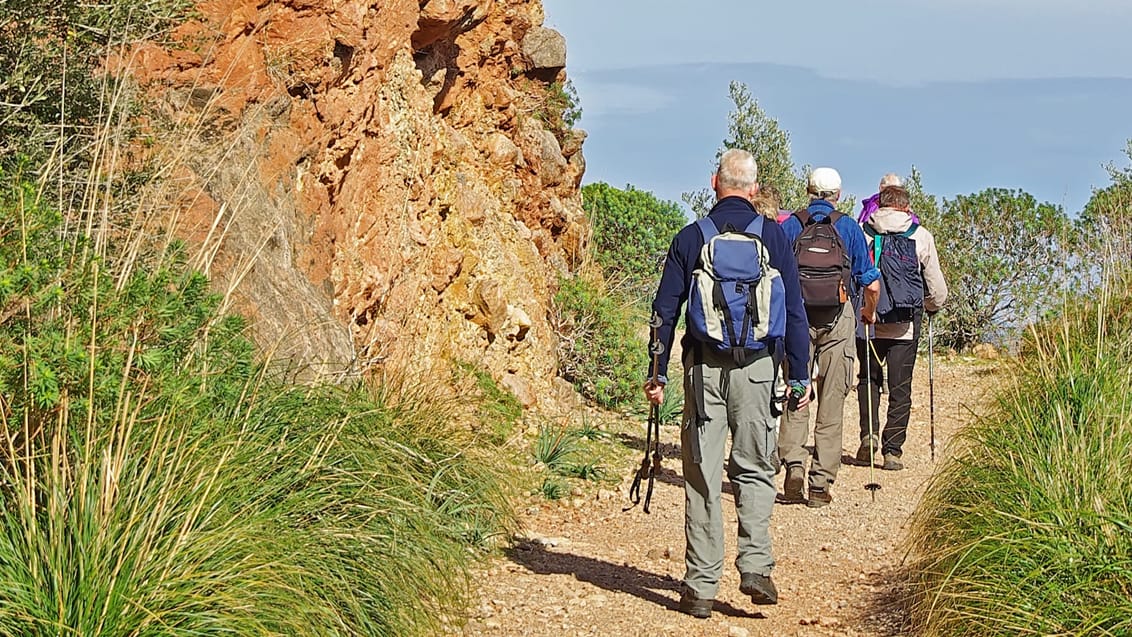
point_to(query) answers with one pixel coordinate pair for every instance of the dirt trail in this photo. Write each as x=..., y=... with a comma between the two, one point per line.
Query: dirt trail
x=587, y=568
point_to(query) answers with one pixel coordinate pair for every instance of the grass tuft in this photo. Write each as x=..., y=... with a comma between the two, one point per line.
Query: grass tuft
x=156, y=479
x=1026, y=529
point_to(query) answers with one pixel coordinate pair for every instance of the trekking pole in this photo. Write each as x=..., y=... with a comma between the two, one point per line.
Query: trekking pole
x=650, y=466
x=931, y=385
x=873, y=486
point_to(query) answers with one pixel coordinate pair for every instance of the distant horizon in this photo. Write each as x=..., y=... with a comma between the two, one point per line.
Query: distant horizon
x=847, y=77
x=657, y=127
x=1018, y=94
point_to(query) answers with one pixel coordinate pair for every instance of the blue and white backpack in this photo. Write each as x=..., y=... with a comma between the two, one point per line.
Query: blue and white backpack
x=737, y=303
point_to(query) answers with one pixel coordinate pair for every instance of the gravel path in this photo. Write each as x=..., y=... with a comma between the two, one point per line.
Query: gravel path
x=585, y=567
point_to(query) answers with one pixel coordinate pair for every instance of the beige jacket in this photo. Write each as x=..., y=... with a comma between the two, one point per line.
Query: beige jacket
x=889, y=220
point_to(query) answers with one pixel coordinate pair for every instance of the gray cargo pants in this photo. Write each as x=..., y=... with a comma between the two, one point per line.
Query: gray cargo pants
x=832, y=347
x=736, y=400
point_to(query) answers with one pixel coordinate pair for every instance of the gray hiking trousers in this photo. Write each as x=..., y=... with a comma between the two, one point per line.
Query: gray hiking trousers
x=736, y=400
x=832, y=347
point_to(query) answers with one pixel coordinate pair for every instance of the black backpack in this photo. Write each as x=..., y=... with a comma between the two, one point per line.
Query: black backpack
x=823, y=263
x=901, y=275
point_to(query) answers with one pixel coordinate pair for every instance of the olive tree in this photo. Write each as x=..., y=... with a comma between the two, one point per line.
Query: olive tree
x=1105, y=225
x=1005, y=257
x=751, y=129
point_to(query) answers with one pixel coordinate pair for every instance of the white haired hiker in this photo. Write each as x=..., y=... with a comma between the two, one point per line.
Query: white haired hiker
x=833, y=266
x=871, y=204
x=735, y=270
x=911, y=284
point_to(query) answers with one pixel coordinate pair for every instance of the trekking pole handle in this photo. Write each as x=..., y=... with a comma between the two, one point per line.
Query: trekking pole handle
x=656, y=348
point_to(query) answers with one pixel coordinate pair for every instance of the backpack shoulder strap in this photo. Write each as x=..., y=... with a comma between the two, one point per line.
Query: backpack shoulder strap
x=707, y=229
x=803, y=216
x=756, y=226
x=834, y=216
x=911, y=229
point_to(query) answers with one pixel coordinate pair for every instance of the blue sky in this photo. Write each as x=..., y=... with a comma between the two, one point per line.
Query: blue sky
x=652, y=80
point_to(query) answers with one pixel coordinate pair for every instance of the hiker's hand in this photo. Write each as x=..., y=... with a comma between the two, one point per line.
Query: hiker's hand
x=868, y=317
x=800, y=394
x=654, y=391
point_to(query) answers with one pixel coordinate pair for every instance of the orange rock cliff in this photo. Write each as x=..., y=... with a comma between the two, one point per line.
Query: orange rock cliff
x=377, y=183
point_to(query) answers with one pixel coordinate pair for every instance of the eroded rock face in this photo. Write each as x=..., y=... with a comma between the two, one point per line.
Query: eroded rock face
x=370, y=180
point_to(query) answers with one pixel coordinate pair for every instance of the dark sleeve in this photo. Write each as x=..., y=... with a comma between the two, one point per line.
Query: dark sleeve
x=797, y=325
x=673, y=291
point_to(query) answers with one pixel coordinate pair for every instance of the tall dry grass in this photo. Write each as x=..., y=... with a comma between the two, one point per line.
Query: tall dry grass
x=1027, y=530
x=158, y=475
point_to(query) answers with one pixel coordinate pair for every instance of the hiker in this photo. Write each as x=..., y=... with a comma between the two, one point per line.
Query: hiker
x=870, y=205
x=767, y=203
x=833, y=264
x=911, y=284
x=730, y=391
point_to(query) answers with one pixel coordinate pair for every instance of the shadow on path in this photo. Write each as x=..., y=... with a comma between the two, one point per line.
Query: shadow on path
x=661, y=590
x=886, y=611
x=670, y=459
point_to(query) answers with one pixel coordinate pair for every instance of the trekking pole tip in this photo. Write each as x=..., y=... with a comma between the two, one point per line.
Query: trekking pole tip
x=872, y=488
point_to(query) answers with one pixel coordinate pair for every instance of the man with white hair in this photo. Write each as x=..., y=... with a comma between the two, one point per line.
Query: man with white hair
x=870, y=205
x=836, y=245
x=729, y=392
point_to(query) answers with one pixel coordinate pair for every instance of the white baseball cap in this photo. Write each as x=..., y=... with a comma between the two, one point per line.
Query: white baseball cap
x=823, y=180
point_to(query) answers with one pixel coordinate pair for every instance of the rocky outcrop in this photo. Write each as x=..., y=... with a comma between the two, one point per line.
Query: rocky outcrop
x=374, y=183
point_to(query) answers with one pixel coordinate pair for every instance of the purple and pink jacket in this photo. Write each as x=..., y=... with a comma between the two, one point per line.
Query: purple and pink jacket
x=870, y=205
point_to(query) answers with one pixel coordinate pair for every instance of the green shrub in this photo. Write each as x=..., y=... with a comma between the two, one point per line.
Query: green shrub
x=590, y=430
x=1105, y=224
x=157, y=481
x=600, y=349
x=566, y=452
x=1000, y=276
x=553, y=488
x=632, y=230
x=52, y=55
x=1027, y=530
x=560, y=111
x=554, y=448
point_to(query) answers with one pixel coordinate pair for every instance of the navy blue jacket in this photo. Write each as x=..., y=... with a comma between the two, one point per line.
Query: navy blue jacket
x=684, y=256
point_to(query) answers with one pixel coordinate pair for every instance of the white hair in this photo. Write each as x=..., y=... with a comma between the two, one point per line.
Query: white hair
x=737, y=170
x=891, y=179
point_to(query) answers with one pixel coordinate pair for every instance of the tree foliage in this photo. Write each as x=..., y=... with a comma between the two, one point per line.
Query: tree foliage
x=1105, y=225
x=750, y=128
x=924, y=204
x=631, y=233
x=1004, y=256
x=55, y=92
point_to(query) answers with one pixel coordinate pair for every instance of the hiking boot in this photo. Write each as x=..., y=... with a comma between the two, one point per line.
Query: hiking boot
x=863, y=457
x=694, y=606
x=760, y=587
x=892, y=462
x=819, y=498
x=792, y=485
